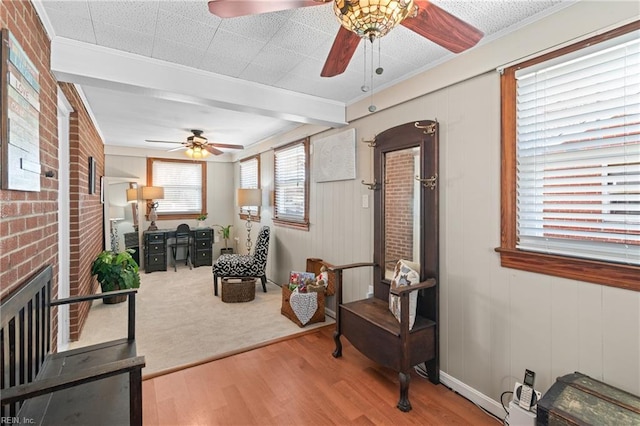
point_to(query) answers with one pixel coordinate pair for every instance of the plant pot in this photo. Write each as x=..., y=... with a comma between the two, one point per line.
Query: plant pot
x=115, y=299
x=228, y=250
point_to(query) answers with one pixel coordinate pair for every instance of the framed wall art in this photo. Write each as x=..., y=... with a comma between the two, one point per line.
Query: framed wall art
x=334, y=157
x=20, y=120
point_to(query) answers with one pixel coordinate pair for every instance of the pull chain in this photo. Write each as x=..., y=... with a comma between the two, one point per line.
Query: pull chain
x=372, y=107
x=364, y=86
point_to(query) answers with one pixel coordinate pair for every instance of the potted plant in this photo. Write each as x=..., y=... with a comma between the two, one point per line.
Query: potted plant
x=116, y=271
x=225, y=232
x=201, y=218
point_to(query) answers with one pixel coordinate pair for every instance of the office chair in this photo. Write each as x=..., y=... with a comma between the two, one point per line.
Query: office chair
x=182, y=239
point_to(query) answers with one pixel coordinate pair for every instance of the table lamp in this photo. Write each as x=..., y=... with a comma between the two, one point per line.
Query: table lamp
x=151, y=193
x=249, y=197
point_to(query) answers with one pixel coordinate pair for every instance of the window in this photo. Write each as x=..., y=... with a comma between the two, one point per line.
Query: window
x=571, y=161
x=184, y=183
x=292, y=185
x=250, y=178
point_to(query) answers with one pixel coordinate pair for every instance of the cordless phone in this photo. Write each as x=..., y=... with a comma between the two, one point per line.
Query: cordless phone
x=526, y=391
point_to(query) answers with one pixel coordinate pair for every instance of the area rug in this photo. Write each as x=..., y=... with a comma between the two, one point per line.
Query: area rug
x=179, y=322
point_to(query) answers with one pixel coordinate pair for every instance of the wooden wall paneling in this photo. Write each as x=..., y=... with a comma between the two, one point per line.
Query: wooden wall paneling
x=565, y=325
x=591, y=328
x=530, y=320
x=621, y=338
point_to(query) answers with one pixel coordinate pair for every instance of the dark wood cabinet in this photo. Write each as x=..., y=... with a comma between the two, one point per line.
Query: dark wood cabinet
x=155, y=251
x=201, y=248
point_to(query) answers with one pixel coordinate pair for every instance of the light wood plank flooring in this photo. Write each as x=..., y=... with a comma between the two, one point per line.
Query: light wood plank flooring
x=298, y=382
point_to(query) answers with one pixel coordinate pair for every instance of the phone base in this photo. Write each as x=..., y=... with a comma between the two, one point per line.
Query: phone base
x=519, y=417
x=534, y=400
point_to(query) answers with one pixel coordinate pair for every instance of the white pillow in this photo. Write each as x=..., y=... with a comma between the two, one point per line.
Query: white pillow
x=405, y=274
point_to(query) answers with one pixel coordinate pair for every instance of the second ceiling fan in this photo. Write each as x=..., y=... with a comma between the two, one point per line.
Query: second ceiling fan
x=368, y=19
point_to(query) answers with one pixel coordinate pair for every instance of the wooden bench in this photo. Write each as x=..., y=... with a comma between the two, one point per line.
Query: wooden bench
x=99, y=384
x=371, y=328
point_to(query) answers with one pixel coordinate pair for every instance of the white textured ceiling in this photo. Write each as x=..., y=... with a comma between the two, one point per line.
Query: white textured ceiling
x=279, y=53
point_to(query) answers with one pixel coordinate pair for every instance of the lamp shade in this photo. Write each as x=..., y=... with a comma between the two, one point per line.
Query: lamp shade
x=116, y=213
x=152, y=193
x=249, y=197
x=132, y=195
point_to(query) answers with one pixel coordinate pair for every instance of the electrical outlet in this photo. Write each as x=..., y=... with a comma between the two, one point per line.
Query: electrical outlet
x=365, y=201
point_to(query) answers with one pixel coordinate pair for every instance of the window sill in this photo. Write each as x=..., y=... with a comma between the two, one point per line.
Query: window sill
x=609, y=274
x=304, y=226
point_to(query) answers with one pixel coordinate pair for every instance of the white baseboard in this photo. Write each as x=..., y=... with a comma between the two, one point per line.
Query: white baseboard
x=473, y=395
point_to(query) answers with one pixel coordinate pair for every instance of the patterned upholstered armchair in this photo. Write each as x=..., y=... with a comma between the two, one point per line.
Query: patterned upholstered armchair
x=244, y=265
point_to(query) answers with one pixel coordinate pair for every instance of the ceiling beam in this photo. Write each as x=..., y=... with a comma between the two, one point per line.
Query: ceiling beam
x=88, y=64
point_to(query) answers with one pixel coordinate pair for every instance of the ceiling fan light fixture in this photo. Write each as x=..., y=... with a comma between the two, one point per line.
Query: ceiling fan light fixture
x=196, y=152
x=372, y=18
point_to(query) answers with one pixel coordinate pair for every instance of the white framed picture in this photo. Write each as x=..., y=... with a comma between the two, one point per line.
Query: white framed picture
x=334, y=157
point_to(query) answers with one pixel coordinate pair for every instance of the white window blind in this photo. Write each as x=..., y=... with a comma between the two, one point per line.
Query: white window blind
x=182, y=183
x=290, y=183
x=578, y=153
x=249, y=170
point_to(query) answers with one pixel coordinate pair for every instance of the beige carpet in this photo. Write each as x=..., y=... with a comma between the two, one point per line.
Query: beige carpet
x=179, y=322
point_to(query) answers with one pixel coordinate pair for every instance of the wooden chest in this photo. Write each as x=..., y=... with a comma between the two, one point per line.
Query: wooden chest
x=577, y=399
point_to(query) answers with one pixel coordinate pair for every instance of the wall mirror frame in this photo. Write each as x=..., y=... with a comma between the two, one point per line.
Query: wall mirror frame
x=115, y=195
x=406, y=163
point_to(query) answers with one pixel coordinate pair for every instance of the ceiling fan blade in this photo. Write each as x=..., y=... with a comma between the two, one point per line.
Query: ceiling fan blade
x=212, y=150
x=443, y=28
x=225, y=145
x=177, y=149
x=344, y=46
x=148, y=140
x=235, y=8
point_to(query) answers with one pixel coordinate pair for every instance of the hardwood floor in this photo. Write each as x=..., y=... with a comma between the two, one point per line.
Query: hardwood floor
x=298, y=382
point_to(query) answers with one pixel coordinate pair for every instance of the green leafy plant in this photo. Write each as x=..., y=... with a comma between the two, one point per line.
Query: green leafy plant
x=202, y=216
x=116, y=271
x=225, y=232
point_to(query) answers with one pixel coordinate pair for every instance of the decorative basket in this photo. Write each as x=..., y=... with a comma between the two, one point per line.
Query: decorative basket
x=287, y=311
x=314, y=265
x=238, y=290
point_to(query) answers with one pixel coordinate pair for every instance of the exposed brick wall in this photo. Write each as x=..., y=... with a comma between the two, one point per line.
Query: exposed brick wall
x=399, y=183
x=28, y=220
x=86, y=209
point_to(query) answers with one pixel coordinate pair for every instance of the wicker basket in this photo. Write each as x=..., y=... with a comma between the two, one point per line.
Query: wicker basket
x=287, y=311
x=238, y=290
x=314, y=265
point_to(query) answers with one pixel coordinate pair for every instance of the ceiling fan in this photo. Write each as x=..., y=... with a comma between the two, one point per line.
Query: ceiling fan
x=369, y=19
x=197, y=146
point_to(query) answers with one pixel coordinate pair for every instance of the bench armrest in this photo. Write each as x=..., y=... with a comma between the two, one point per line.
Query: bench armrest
x=52, y=384
x=399, y=291
x=350, y=266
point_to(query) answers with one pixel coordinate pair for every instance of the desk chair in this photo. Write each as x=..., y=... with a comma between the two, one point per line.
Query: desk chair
x=183, y=239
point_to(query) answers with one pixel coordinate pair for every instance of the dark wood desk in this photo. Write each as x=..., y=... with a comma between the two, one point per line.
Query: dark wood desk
x=156, y=254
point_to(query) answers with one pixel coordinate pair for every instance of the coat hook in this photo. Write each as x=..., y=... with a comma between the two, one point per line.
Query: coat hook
x=371, y=143
x=429, y=129
x=428, y=182
x=372, y=185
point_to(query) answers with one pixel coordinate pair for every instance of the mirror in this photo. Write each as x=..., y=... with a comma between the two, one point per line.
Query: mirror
x=401, y=208
x=121, y=216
